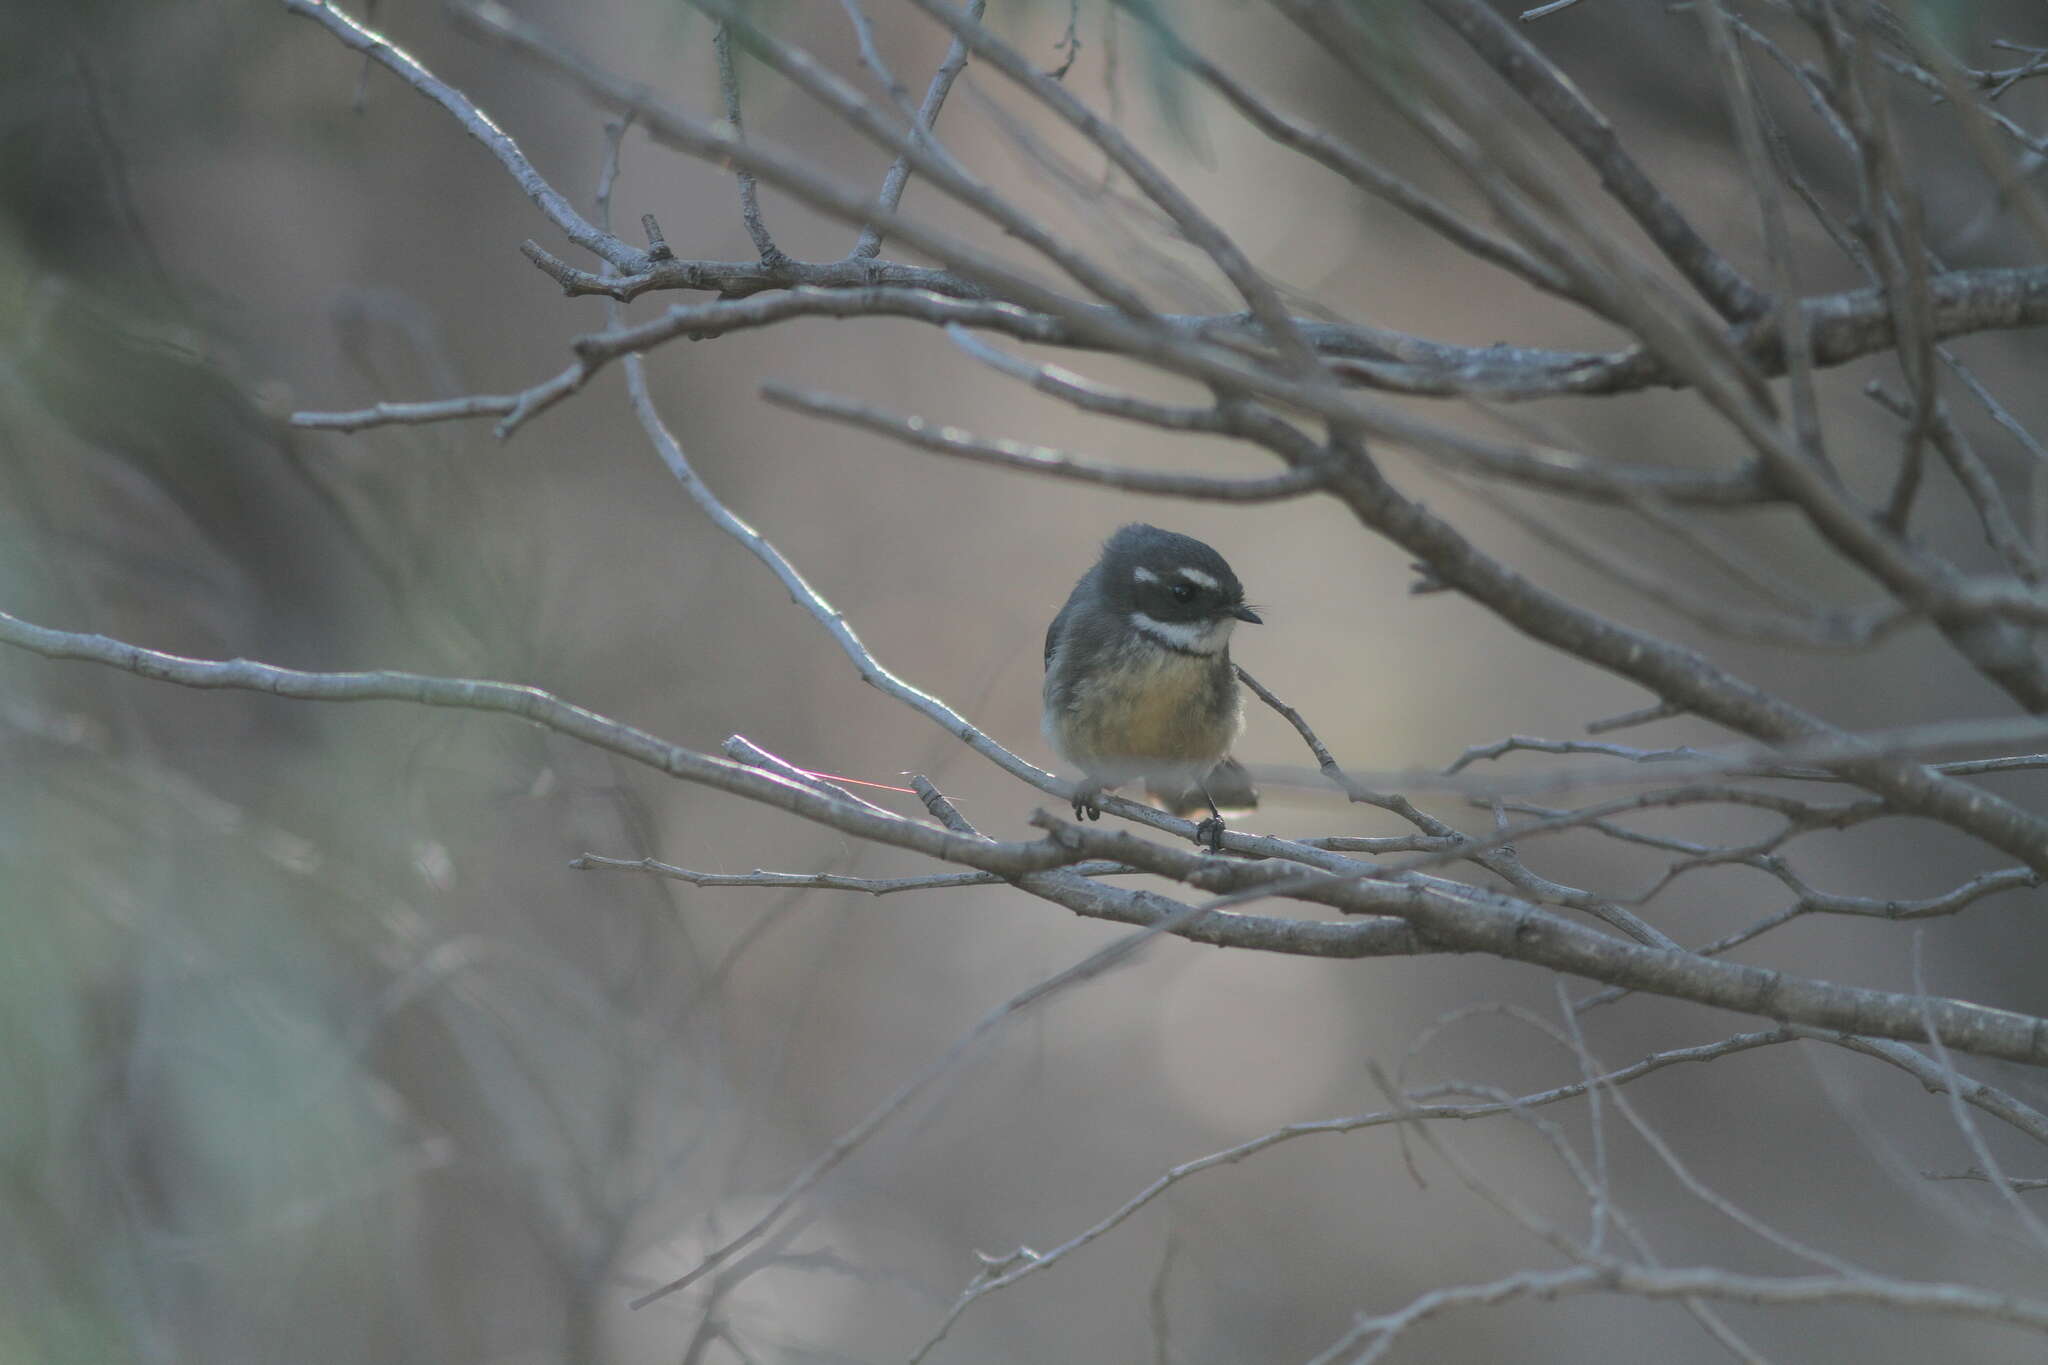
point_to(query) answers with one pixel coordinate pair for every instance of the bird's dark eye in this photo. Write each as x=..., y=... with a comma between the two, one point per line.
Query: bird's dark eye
x=1182, y=592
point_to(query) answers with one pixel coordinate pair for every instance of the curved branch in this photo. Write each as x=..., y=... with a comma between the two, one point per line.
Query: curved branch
x=478, y=125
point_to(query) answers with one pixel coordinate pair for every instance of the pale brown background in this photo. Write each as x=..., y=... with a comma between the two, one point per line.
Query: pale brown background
x=315, y=1049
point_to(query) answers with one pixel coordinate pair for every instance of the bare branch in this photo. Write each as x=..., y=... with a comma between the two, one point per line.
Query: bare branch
x=1937, y=1080
x=1840, y=630
x=914, y=146
x=1103, y=960
x=1229, y=1156
x=740, y=749
x=1196, y=226
x=1727, y=1286
x=1340, y=158
x=439, y=410
x=478, y=125
x=1962, y=459
x=1965, y=1124
x=1680, y=676
x=819, y=881
x=750, y=197
x=2024, y=1184
x=923, y=121
x=1565, y=109
x=947, y=440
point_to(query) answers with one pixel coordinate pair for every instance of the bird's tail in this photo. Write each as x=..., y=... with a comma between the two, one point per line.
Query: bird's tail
x=1228, y=782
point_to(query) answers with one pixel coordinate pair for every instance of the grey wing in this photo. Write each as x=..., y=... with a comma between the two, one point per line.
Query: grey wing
x=1059, y=622
x=1052, y=632
x=1058, y=627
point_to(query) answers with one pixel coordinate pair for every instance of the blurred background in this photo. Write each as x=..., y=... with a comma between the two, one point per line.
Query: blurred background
x=313, y=1046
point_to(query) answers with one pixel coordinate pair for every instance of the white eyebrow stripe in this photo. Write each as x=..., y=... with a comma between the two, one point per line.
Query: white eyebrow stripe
x=1144, y=575
x=1197, y=637
x=1198, y=577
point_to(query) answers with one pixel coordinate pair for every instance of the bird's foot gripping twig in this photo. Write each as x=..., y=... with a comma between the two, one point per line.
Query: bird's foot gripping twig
x=1209, y=831
x=1088, y=803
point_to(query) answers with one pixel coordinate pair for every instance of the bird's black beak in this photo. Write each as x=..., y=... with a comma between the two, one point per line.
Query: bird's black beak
x=1244, y=613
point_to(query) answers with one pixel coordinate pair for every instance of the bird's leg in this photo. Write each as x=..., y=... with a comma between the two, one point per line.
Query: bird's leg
x=1088, y=802
x=1209, y=833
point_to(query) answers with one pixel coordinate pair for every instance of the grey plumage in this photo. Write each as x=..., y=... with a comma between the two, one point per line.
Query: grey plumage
x=1138, y=679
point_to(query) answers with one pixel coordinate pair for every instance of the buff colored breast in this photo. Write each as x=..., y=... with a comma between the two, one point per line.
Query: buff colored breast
x=1156, y=712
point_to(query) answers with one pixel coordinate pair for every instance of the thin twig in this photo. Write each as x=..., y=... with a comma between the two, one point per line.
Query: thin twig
x=1094, y=965
x=946, y=440
x=750, y=197
x=922, y=122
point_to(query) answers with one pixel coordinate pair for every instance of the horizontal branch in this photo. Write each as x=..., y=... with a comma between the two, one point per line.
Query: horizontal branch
x=1455, y=918
x=1783, y=759
x=946, y=440
x=1608, y=1276
x=818, y=881
x=741, y=279
x=1037, y=865
x=1953, y=901
x=514, y=409
x=1538, y=466
x=1843, y=327
x=1443, y=916
x=1840, y=327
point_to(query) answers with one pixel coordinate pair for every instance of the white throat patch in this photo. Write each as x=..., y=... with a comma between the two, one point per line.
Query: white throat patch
x=1197, y=637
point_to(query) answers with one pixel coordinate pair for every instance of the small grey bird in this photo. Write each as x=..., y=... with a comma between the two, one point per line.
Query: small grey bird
x=1138, y=682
